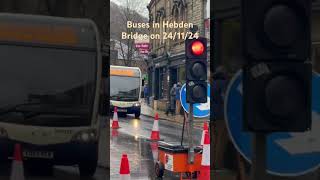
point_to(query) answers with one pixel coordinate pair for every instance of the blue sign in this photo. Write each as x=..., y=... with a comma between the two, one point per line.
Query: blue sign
x=200, y=110
x=288, y=154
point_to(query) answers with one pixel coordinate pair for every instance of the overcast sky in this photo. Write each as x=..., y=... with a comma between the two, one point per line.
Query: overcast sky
x=143, y=4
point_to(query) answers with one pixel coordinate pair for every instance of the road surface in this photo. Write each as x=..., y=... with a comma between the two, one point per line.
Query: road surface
x=131, y=139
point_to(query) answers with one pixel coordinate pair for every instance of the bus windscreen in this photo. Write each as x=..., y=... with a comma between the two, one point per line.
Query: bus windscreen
x=46, y=87
x=124, y=88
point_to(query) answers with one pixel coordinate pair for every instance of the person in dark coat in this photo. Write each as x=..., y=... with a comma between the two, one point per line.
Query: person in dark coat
x=225, y=153
x=146, y=93
x=220, y=82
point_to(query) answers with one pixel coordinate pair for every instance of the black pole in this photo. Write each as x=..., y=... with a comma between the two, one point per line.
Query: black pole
x=184, y=122
x=259, y=155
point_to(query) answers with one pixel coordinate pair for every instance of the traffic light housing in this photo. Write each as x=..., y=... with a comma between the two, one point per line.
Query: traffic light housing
x=196, y=70
x=277, y=74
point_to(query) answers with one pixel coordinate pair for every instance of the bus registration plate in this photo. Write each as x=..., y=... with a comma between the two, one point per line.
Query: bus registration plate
x=38, y=154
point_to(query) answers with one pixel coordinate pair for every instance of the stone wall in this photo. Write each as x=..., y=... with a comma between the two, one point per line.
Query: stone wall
x=164, y=10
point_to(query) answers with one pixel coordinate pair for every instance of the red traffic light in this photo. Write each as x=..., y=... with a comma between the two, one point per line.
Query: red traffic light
x=197, y=48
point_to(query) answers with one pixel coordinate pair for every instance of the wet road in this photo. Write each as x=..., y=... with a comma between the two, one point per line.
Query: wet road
x=131, y=139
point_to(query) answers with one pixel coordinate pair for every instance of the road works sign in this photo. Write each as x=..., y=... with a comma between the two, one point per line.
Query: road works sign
x=200, y=110
x=288, y=154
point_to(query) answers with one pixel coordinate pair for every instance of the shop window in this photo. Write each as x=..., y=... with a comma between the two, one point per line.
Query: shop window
x=162, y=83
x=181, y=74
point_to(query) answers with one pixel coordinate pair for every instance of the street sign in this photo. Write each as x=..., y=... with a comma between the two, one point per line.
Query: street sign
x=143, y=45
x=200, y=110
x=288, y=154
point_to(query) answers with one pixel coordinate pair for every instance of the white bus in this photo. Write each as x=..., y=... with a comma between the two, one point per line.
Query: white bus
x=50, y=73
x=125, y=90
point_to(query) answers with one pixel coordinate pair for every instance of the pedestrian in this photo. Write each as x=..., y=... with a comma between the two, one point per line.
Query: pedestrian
x=172, y=101
x=178, y=104
x=146, y=93
x=220, y=81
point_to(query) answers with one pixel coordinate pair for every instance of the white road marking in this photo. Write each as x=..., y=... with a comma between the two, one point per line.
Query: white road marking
x=303, y=143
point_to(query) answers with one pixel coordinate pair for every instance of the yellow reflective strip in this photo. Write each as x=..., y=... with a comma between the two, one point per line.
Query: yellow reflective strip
x=59, y=35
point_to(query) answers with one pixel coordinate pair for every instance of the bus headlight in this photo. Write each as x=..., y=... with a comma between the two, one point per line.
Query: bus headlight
x=85, y=136
x=136, y=104
x=3, y=133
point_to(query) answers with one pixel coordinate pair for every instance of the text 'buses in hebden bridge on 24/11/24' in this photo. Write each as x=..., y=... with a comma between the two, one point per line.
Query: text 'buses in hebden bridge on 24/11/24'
x=163, y=24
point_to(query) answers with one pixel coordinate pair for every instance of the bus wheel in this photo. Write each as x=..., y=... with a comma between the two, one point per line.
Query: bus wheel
x=87, y=168
x=137, y=115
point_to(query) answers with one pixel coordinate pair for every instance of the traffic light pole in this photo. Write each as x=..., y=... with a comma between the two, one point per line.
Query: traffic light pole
x=258, y=171
x=190, y=135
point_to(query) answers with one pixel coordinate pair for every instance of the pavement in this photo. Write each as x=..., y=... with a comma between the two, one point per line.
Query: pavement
x=150, y=112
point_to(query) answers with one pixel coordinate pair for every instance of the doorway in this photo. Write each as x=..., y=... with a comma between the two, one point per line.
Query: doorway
x=173, y=77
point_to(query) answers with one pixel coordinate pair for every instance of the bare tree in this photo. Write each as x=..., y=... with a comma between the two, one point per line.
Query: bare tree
x=128, y=12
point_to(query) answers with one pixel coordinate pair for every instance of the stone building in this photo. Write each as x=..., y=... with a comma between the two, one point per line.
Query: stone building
x=167, y=58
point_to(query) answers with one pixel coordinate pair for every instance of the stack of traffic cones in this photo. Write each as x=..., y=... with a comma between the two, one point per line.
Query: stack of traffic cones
x=155, y=134
x=17, y=172
x=124, y=168
x=115, y=123
x=205, y=128
x=205, y=162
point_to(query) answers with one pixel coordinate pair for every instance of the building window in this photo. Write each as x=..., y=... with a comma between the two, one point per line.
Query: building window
x=175, y=14
x=175, y=8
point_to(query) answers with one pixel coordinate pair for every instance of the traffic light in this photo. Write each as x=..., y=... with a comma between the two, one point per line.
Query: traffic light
x=196, y=70
x=277, y=74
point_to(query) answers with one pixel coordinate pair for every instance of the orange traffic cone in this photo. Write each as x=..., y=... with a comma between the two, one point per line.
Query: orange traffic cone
x=17, y=172
x=155, y=152
x=124, y=168
x=205, y=162
x=115, y=123
x=205, y=128
x=155, y=135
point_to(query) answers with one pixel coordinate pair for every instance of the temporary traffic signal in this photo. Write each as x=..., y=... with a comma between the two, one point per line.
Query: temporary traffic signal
x=196, y=70
x=277, y=74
